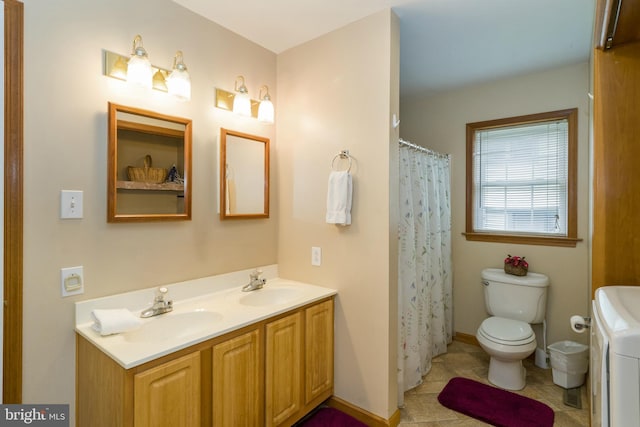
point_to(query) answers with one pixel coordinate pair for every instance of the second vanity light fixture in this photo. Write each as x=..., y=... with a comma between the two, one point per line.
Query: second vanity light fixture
x=138, y=70
x=241, y=103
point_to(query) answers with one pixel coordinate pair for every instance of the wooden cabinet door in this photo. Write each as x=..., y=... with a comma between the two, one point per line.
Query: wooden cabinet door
x=237, y=386
x=283, y=369
x=169, y=394
x=319, y=351
x=615, y=244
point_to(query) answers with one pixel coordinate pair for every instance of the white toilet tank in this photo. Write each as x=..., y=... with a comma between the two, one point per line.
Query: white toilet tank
x=515, y=297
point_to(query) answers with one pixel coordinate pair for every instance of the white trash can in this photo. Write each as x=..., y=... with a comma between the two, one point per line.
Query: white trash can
x=569, y=363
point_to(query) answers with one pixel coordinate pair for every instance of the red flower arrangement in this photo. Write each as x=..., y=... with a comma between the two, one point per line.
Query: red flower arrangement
x=516, y=265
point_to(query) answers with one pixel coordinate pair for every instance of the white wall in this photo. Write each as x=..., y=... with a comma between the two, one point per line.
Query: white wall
x=338, y=92
x=439, y=122
x=65, y=147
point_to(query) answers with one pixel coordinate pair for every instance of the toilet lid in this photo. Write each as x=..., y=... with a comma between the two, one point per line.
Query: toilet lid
x=509, y=331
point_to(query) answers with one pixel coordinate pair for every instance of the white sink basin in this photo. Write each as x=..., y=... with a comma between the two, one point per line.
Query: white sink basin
x=174, y=325
x=270, y=296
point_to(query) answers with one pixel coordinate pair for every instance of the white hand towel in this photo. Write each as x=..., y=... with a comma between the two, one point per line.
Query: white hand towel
x=114, y=321
x=339, y=197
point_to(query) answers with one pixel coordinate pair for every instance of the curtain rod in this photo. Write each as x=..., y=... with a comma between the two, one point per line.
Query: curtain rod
x=424, y=149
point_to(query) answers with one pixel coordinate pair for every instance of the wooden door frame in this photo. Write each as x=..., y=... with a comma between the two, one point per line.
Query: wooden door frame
x=13, y=200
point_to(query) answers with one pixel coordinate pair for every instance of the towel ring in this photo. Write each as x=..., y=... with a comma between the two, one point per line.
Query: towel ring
x=344, y=154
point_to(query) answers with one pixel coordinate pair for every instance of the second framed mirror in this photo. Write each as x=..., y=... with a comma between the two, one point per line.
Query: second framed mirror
x=244, y=175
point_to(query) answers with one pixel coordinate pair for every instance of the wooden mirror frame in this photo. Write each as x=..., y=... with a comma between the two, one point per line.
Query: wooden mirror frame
x=116, y=184
x=225, y=136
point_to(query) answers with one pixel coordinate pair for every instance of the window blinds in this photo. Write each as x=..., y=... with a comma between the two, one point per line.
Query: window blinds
x=520, y=178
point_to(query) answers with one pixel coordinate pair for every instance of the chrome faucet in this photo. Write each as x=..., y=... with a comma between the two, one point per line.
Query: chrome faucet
x=160, y=306
x=256, y=282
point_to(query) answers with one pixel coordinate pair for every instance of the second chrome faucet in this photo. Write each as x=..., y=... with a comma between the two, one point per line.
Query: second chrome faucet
x=255, y=281
x=160, y=305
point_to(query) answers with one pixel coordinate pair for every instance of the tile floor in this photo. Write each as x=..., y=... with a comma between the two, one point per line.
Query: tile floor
x=423, y=410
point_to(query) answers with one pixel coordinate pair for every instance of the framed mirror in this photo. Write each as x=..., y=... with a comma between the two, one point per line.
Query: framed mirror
x=149, y=166
x=244, y=175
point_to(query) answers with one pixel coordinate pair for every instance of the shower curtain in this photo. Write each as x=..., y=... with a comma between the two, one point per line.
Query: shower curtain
x=425, y=317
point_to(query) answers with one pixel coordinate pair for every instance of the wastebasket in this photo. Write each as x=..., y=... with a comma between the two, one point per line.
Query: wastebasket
x=569, y=363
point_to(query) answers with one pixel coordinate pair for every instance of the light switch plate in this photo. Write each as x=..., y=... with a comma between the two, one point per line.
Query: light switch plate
x=70, y=204
x=72, y=281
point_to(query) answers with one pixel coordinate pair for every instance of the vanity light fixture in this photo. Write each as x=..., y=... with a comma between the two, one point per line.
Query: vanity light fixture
x=224, y=100
x=265, y=110
x=179, y=82
x=241, y=101
x=262, y=110
x=139, y=70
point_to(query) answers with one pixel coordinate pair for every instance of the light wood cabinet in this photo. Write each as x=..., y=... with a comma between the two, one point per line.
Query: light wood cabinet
x=616, y=175
x=168, y=395
x=283, y=369
x=271, y=373
x=319, y=352
x=299, y=363
x=237, y=385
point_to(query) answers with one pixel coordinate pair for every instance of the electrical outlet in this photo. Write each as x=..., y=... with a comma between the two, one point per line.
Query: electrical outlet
x=72, y=281
x=316, y=255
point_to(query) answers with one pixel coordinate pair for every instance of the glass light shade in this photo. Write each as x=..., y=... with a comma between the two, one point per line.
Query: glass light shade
x=265, y=111
x=139, y=71
x=242, y=104
x=179, y=84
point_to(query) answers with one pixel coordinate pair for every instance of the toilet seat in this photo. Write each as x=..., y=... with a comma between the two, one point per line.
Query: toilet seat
x=507, y=332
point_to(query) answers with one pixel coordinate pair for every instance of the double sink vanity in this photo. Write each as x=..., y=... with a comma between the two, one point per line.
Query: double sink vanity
x=221, y=357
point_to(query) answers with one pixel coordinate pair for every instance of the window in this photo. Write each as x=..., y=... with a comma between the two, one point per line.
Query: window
x=521, y=179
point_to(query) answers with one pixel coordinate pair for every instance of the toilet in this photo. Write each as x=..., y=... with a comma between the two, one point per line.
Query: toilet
x=514, y=302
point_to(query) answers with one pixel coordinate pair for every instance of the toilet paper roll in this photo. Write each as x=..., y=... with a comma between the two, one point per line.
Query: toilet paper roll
x=578, y=324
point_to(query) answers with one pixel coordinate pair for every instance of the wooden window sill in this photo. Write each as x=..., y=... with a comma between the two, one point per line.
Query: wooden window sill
x=567, y=242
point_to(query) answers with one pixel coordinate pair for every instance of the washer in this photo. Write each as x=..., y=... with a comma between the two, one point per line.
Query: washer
x=615, y=357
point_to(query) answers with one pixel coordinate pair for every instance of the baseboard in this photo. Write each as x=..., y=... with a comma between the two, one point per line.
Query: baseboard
x=361, y=415
x=466, y=338
x=373, y=420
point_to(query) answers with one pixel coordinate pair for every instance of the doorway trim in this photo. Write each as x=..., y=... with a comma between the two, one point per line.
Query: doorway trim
x=13, y=200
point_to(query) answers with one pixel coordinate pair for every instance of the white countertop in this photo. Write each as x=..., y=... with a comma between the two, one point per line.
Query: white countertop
x=202, y=309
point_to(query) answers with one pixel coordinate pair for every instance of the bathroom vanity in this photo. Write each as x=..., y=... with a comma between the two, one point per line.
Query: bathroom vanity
x=263, y=358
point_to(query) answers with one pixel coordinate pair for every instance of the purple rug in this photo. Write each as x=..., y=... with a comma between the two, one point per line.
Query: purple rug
x=331, y=417
x=494, y=406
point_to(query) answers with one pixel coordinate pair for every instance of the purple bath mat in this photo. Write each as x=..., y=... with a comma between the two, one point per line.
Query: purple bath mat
x=494, y=406
x=331, y=417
